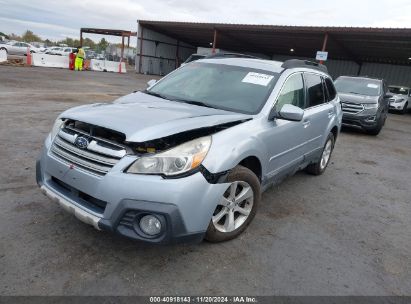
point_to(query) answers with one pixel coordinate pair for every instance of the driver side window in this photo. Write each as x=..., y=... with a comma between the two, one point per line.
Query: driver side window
x=292, y=93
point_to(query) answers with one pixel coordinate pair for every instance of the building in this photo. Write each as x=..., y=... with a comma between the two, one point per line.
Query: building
x=375, y=52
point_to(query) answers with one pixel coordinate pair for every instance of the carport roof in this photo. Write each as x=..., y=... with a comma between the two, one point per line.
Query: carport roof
x=359, y=44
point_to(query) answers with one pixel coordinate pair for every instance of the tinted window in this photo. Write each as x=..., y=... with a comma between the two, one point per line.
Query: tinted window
x=226, y=87
x=398, y=90
x=360, y=86
x=292, y=92
x=314, y=90
x=331, y=92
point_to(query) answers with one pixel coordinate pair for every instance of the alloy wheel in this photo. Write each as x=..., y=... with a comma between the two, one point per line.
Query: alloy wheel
x=234, y=207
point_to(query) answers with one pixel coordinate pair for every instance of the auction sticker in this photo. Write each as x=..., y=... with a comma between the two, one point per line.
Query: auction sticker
x=257, y=78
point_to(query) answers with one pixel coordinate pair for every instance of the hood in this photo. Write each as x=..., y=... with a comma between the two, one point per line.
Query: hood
x=143, y=117
x=356, y=98
x=398, y=96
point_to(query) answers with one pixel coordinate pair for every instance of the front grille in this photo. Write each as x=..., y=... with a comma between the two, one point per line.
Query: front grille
x=97, y=156
x=351, y=108
x=87, y=201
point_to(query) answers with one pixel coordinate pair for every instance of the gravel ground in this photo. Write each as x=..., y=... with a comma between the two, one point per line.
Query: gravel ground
x=346, y=232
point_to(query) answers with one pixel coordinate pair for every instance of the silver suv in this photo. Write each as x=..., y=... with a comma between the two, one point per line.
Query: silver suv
x=189, y=157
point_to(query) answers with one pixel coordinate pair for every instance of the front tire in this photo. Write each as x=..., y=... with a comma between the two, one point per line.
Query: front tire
x=237, y=207
x=319, y=167
x=405, y=109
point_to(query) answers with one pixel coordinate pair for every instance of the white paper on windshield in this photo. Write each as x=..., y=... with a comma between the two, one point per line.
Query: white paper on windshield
x=258, y=78
x=372, y=86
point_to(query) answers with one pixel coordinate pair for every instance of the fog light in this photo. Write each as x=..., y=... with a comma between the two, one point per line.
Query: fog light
x=370, y=119
x=150, y=225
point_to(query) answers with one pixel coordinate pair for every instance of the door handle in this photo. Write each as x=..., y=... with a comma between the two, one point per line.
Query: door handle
x=330, y=113
x=306, y=123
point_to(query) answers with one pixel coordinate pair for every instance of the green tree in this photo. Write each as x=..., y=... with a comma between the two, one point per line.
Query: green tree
x=102, y=45
x=29, y=36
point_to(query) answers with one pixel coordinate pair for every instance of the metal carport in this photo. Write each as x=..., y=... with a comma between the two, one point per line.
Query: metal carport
x=383, y=52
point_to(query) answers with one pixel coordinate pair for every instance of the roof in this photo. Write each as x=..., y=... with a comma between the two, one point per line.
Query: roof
x=360, y=44
x=107, y=32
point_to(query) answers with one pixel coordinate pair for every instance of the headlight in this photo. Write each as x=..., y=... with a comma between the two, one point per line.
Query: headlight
x=399, y=100
x=180, y=159
x=56, y=127
x=369, y=106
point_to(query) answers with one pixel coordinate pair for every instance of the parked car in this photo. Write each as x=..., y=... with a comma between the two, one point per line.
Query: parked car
x=401, y=99
x=64, y=51
x=19, y=48
x=189, y=157
x=364, y=102
x=53, y=50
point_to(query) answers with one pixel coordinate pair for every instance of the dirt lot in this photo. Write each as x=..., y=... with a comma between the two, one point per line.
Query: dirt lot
x=347, y=232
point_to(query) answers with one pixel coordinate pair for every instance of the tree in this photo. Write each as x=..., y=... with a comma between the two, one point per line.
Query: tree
x=13, y=36
x=102, y=45
x=29, y=36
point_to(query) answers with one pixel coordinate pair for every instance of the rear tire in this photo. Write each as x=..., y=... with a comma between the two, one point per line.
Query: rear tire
x=319, y=167
x=236, y=208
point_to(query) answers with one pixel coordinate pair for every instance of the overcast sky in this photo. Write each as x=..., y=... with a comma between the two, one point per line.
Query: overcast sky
x=61, y=18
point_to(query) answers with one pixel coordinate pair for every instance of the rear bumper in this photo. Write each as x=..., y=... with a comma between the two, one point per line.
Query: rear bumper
x=185, y=205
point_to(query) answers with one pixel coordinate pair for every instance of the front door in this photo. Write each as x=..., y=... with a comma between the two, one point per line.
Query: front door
x=286, y=139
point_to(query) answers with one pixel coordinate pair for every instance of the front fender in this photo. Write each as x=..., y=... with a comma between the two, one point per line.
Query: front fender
x=231, y=146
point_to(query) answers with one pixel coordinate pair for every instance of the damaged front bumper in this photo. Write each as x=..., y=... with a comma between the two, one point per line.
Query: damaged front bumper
x=115, y=201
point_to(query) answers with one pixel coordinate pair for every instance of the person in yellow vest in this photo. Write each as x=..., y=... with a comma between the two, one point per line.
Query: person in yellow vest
x=78, y=64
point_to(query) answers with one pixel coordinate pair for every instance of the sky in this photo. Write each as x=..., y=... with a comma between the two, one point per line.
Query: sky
x=58, y=19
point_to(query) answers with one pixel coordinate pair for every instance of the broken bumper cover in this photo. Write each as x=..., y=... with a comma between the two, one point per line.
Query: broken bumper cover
x=366, y=121
x=184, y=205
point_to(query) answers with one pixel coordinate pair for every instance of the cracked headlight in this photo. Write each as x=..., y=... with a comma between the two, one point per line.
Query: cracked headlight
x=178, y=160
x=56, y=127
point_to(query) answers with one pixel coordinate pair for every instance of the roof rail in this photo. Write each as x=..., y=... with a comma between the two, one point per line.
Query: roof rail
x=298, y=63
x=230, y=55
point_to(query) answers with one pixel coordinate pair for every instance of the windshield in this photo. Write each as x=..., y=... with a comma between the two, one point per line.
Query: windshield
x=398, y=90
x=225, y=87
x=361, y=86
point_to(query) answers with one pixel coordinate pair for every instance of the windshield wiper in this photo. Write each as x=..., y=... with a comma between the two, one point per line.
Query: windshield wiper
x=154, y=94
x=355, y=93
x=196, y=103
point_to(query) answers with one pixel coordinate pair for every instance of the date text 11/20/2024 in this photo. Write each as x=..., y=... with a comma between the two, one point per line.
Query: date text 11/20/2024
x=234, y=299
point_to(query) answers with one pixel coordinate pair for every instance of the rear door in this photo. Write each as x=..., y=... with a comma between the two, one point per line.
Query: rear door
x=318, y=113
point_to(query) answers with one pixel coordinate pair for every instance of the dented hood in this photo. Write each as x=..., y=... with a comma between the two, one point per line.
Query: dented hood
x=143, y=117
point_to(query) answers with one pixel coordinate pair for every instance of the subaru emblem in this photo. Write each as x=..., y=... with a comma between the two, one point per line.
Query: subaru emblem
x=81, y=142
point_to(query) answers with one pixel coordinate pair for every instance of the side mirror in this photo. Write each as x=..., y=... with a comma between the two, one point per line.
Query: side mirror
x=287, y=112
x=151, y=83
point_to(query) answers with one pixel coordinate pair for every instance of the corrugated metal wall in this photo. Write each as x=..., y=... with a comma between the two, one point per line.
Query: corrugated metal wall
x=393, y=74
x=159, y=53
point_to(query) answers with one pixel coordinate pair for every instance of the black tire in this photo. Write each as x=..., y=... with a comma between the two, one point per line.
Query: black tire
x=5, y=50
x=239, y=173
x=316, y=168
x=377, y=129
x=405, y=109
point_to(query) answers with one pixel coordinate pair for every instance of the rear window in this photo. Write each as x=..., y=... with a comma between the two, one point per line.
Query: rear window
x=331, y=92
x=315, y=90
